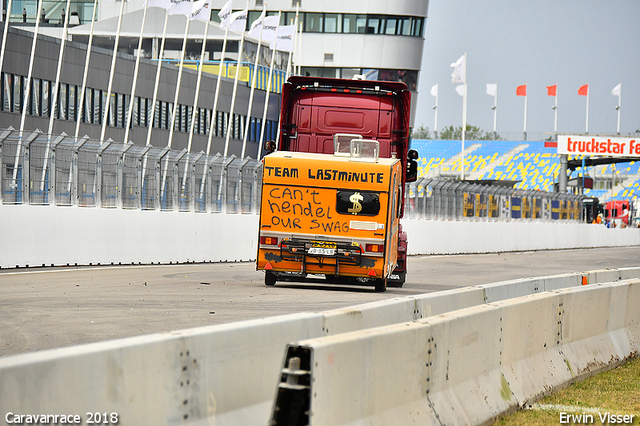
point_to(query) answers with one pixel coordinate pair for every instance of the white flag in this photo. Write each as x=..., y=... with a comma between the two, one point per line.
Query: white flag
x=180, y=7
x=434, y=90
x=284, y=40
x=269, y=28
x=256, y=26
x=225, y=14
x=238, y=21
x=163, y=4
x=459, y=70
x=201, y=10
x=617, y=91
x=460, y=90
x=492, y=89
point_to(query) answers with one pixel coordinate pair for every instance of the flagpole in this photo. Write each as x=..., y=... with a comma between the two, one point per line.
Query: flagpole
x=135, y=75
x=555, y=111
x=195, y=100
x=27, y=93
x=175, y=103
x=235, y=90
x=27, y=89
x=268, y=92
x=4, y=34
x=63, y=43
x=464, y=113
x=435, y=118
x=495, y=112
x=86, y=68
x=587, y=121
x=111, y=73
x=618, y=107
x=178, y=83
x=157, y=82
x=525, y=114
x=253, y=88
x=289, y=61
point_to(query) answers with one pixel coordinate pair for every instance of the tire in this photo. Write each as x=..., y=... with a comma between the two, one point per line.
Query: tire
x=269, y=278
x=380, y=285
x=397, y=283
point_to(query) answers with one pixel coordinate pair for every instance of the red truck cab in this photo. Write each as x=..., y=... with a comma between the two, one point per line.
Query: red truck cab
x=315, y=109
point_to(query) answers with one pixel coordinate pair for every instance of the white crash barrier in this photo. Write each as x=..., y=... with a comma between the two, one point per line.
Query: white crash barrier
x=465, y=367
x=223, y=374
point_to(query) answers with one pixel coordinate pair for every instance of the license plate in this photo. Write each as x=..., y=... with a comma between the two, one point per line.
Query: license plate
x=322, y=251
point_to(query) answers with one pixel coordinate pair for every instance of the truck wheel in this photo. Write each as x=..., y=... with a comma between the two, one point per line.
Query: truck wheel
x=398, y=282
x=380, y=285
x=269, y=278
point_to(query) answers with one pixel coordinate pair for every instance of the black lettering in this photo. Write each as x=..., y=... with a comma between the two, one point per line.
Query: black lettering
x=295, y=194
x=327, y=227
x=327, y=175
x=314, y=224
x=285, y=172
x=278, y=172
x=271, y=205
x=307, y=210
x=345, y=227
x=298, y=206
x=271, y=193
x=313, y=197
x=342, y=176
x=380, y=178
x=286, y=207
x=268, y=168
x=296, y=223
x=319, y=212
x=310, y=175
x=335, y=172
x=275, y=220
x=294, y=173
x=286, y=192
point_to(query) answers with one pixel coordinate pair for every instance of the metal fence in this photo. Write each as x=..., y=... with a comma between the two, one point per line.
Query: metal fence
x=456, y=200
x=42, y=169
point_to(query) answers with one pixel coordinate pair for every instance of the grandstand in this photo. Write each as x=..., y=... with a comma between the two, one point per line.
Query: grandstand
x=530, y=163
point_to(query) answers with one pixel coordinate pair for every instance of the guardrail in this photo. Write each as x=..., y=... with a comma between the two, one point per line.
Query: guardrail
x=227, y=374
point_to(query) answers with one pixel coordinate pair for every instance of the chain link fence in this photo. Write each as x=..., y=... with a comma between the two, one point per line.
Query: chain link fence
x=41, y=169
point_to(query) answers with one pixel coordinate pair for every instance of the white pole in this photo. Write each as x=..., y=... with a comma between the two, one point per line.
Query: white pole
x=27, y=89
x=435, y=118
x=295, y=41
x=298, y=47
x=495, y=112
x=525, y=116
x=157, y=82
x=618, y=107
x=214, y=112
x=63, y=43
x=178, y=83
x=175, y=104
x=113, y=69
x=233, y=96
x=555, y=112
x=4, y=34
x=267, y=93
x=464, y=115
x=195, y=103
x=135, y=75
x=587, y=120
x=253, y=89
x=86, y=68
x=27, y=93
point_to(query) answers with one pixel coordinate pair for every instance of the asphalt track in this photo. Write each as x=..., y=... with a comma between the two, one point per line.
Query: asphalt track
x=46, y=308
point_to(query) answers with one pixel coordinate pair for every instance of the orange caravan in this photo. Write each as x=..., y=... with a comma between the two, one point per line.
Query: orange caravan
x=330, y=216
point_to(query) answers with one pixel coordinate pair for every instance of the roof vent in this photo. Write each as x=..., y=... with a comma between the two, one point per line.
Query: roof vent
x=328, y=57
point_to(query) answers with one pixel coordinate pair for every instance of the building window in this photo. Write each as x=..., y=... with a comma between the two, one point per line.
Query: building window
x=17, y=93
x=72, y=102
x=7, y=92
x=313, y=22
x=36, y=102
x=46, y=103
x=332, y=23
x=62, y=101
x=392, y=24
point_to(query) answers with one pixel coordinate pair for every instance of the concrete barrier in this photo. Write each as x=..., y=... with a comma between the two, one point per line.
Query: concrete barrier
x=52, y=235
x=466, y=367
x=226, y=373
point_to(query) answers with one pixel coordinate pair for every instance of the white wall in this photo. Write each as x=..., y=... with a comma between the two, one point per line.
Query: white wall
x=49, y=235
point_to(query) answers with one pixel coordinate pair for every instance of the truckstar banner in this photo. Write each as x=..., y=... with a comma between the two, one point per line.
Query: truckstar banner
x=598, y=146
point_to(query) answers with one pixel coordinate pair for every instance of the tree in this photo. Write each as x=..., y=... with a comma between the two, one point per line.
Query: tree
x=472, y=133
x=421, y=132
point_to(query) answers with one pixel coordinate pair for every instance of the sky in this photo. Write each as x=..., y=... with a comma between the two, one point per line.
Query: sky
x=538, y=43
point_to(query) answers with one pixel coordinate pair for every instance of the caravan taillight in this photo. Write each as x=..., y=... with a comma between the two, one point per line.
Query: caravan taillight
x=374, y=248
x=269, y=241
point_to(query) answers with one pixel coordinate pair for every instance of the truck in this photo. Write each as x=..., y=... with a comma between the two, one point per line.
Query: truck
x=340, y=121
